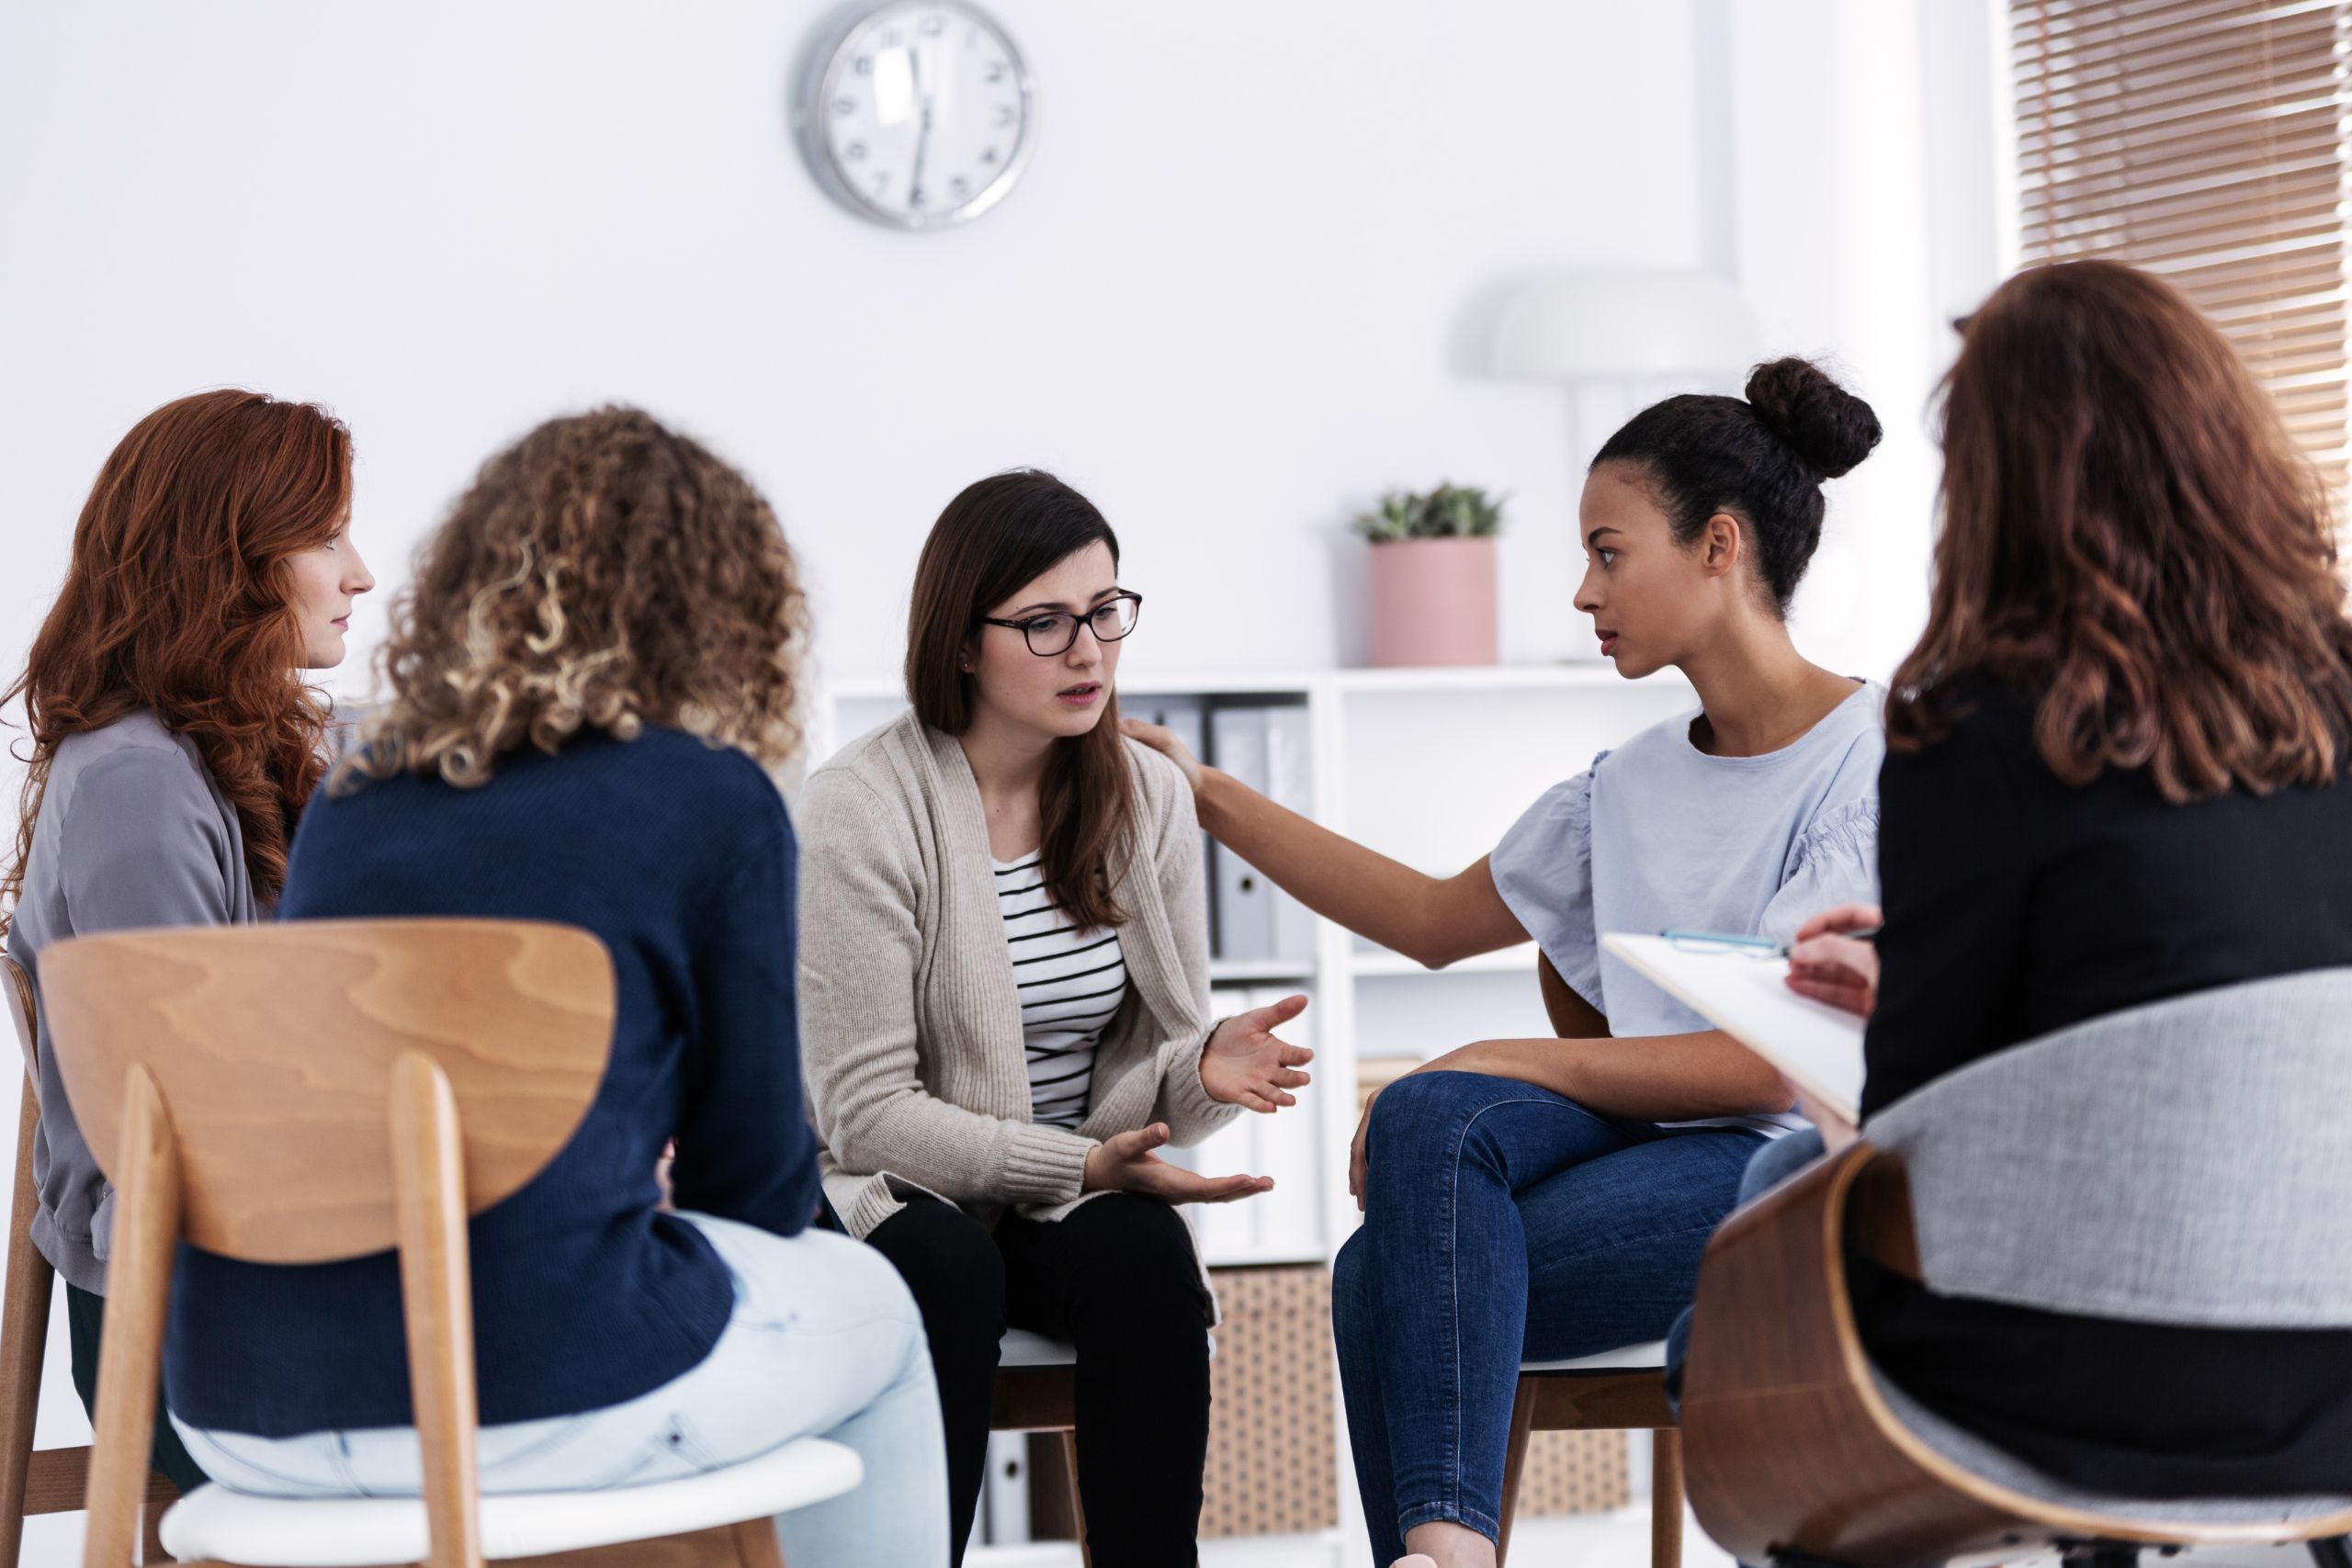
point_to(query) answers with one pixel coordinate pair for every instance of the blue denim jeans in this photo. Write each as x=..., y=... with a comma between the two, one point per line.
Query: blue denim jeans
x=1503, y=1223
x=1774, y=1163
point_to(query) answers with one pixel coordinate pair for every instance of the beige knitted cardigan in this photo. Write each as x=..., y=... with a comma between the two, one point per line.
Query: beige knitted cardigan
x=910, y=1022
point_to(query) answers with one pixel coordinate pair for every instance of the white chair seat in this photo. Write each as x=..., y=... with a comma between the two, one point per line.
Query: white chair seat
x=364, y=1532
x=1019, y=1348
x=1646, y=1358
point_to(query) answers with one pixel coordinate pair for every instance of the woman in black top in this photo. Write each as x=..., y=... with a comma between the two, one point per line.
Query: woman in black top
x=2113, y=776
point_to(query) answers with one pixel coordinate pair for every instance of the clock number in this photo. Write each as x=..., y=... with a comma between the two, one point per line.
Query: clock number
x=989, y=156
x=960, y=187
x=1005, y=114
x=845, y=106
x=915, y=199
x=934, y=25
x=994, y=74
x=863, y=65
x=854, y=151
x=882, y=183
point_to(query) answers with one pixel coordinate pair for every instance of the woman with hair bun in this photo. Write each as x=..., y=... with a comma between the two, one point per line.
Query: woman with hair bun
x=1564, y=1188
x=173, y=741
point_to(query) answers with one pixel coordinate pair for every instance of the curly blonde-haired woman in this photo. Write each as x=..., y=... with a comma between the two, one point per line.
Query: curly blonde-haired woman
x=593, y=668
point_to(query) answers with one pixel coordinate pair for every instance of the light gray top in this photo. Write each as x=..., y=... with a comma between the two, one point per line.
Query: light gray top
x=1659, y=836
x=911, y=1018
x=132, y=833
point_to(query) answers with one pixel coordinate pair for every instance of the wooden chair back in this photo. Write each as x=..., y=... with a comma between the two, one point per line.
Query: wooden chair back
x=310, y=1091
x=17, y=999
x=1792, y=1446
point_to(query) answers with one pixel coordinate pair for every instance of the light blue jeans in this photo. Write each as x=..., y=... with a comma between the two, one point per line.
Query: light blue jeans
x=824, y=1341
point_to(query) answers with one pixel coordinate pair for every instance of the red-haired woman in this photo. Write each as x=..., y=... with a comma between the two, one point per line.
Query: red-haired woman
x=2115, y=774
x=173, y=739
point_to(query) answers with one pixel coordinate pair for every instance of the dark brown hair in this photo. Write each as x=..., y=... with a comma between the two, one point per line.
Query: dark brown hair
x=994, y=538
x=602, y=573
x=177, y=600
x=2129, y=532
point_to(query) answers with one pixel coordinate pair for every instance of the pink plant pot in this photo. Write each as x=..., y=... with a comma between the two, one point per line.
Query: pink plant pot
x=1433, y=602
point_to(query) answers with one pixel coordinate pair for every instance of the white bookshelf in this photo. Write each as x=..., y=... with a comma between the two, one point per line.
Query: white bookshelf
x=1430, y=767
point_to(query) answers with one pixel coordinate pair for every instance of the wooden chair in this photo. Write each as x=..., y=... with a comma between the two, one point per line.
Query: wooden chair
x=1617, y=1391
x=37, y=1480
x=1036, y=1391
x=2016, y=1179
x=307, y=1092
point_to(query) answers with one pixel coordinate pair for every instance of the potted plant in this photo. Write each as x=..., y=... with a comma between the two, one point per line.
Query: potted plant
x=1433, y=576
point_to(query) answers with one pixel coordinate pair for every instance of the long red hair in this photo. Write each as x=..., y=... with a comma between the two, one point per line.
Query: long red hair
x=2130, y=533
x=177, y=600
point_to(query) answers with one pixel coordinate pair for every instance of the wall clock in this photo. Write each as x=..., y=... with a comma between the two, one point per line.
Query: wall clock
x=918, y=114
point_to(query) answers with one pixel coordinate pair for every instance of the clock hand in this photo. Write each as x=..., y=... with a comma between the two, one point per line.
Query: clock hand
x=923, y=133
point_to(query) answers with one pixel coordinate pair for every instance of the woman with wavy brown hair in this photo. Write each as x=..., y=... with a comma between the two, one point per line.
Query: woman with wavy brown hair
x=589, y=680
x=2116, y=774
x=174, y=742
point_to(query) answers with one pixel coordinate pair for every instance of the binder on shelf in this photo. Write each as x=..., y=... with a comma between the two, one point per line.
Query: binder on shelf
x=1290, y=781
x=1182, y=715
x=1188, y=716
x=1241, y=901
x=1004, y=1499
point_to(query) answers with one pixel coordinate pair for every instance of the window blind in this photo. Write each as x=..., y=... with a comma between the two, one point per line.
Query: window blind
x=2205, y=140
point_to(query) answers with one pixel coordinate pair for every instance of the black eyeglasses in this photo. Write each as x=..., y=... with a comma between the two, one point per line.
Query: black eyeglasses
x=1050, y=635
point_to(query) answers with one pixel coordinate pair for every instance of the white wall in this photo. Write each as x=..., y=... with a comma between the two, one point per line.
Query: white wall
x=1236, y=296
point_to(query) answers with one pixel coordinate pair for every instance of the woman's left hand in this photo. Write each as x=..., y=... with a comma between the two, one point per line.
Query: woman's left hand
x=1246, y=1064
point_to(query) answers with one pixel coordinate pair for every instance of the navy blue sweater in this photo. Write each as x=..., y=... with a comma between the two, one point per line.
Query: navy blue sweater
x=680, y=858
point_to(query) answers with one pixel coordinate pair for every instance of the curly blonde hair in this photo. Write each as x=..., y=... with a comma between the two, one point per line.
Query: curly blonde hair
x=603, y=572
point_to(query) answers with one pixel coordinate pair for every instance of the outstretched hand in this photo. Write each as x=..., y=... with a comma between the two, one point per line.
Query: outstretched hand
x=1125, y=1163
x=1247, y=1064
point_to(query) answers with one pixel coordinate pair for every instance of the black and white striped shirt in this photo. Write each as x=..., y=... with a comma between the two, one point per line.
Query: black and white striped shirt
x=1071, y=983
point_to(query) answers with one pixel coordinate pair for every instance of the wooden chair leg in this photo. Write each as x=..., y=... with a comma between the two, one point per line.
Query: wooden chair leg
x=1523, y=1426
x=24, y=1335
x=151, y=1534
x=756, y=1545
x=1077, y=1501
x=1665, y=1498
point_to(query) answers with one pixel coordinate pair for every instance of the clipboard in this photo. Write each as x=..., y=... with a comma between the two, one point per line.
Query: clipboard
x=1745, y=994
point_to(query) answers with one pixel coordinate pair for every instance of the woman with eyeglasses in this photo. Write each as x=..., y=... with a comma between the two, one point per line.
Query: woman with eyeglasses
x=1005, y=994
x=1549, y=1199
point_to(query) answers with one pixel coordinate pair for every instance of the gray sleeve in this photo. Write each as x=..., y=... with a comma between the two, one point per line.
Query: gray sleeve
x=141, y=844
x=1543, y=868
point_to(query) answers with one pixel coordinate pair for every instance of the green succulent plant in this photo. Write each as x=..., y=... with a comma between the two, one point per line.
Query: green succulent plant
x=1449, y=512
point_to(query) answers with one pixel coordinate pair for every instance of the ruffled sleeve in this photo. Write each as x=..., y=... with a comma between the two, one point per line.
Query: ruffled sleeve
x=1833, y=862
x=1543, y=868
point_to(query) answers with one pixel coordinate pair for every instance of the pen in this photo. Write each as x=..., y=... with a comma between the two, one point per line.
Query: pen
x=1762, y=945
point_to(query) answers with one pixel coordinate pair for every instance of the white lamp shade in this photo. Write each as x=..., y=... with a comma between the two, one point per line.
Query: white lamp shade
x=1589, y=325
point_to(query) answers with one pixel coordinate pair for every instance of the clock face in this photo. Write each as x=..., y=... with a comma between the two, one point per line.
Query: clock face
x=921, y=115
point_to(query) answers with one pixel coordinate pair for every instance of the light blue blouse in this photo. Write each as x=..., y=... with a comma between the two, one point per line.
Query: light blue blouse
x=1658, y=835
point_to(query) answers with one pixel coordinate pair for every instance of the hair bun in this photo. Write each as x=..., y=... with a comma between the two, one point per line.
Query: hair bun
x=1828, y=427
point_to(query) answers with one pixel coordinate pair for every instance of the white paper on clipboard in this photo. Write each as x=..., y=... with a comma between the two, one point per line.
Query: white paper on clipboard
x=1818, y=1048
